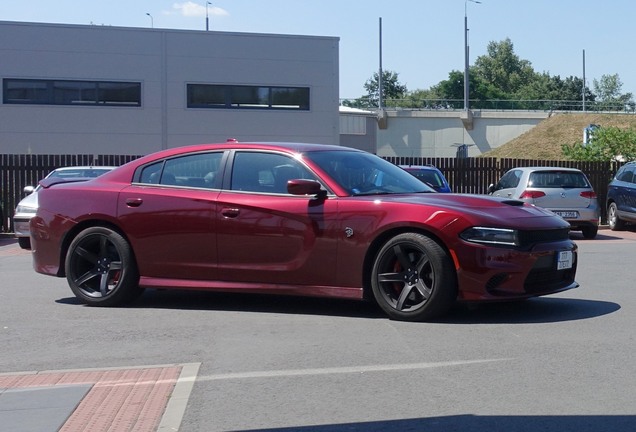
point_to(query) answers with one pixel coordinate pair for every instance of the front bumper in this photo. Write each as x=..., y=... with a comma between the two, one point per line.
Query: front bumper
x=491, y=273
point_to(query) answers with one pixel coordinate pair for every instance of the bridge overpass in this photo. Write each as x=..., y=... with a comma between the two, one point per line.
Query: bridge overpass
x=434, y=132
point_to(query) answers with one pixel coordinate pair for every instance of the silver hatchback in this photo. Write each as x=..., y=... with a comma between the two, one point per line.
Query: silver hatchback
x=564, y=191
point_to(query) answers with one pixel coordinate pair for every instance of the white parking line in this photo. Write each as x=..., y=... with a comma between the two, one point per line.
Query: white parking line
x=344, y=370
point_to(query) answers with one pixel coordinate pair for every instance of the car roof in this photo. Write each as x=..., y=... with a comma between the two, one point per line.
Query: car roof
x=547, y=168
x=289, y=147
x=419, y=167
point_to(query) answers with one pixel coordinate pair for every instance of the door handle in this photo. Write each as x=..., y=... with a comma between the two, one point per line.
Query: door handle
x=134, y=202
x=230, y=212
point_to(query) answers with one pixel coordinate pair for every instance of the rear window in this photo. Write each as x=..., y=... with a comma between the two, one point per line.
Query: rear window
x=558, y=179
x=430, y=177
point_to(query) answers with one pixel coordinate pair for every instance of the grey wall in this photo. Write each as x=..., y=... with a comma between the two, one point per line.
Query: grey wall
x=164, y=61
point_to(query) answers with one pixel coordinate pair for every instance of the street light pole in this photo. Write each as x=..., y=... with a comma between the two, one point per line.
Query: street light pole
x=466, y=52
x=152, y=21
x=207, y=18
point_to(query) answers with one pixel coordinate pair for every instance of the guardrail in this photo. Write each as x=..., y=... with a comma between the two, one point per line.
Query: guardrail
x=493, y=105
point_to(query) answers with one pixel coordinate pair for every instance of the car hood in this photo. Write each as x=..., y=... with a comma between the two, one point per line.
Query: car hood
x=485, y=209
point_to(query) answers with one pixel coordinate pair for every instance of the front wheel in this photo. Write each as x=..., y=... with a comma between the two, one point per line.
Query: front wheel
x=413, y=278
x=101, y=269
x=614, y=222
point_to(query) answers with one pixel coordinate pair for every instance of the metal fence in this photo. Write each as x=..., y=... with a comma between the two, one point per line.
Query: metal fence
x=465, y=175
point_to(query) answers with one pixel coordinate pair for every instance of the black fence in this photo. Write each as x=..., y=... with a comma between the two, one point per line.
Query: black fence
x=19, y=171
x=465, y=175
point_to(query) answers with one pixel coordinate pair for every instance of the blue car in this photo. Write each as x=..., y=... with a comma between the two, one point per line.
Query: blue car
x=621, y=198
x=430, y=175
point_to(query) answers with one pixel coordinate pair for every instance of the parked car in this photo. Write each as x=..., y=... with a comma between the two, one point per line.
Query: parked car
x=565, y=191
x=294, y=219
x=621, y=198
x=429, y=175
x=28, y=205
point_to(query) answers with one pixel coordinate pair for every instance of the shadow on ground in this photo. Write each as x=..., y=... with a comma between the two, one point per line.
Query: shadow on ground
x=536, y=310
x=474, y=423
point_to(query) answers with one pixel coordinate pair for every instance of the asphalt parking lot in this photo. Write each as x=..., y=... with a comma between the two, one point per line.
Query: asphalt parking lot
x=558, y=363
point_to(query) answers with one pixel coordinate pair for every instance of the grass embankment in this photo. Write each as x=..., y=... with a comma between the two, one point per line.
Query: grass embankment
x=544, y=141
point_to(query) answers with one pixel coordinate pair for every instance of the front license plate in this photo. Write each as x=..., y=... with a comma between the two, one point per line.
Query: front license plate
x=564, y=260
x=567, y=214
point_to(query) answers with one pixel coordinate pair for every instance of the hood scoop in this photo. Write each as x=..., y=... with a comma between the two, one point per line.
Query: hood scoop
x=514, y=203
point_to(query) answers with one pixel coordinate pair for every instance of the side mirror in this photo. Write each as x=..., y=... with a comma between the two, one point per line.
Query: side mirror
x=28, y=189
x=491, y=188
x=305, y=187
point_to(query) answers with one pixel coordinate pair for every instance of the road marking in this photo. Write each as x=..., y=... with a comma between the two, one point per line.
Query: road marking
x=343, y=370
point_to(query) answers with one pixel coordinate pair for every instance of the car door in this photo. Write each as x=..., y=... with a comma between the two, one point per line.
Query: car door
x=625, y=192
x=168, y=215
x=265, y=234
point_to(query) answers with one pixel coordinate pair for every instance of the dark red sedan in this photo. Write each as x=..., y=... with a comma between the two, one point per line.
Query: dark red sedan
x=301, y=219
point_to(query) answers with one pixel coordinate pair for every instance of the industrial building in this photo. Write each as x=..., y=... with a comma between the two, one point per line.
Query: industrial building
x=69, y=89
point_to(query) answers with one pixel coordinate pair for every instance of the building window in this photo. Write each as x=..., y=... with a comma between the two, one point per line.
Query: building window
x=67, y=92
x=247, y=97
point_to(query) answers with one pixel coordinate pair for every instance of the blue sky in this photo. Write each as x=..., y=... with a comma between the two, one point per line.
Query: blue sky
x=422, y=40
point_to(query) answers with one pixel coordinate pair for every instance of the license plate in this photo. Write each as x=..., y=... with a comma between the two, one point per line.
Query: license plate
x=565, y=260
x=567, y=214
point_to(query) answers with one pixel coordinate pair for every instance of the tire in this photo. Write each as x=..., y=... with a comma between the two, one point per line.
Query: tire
x=24, y=242
x=614, y=222
x=589, y=232
x=100, y=268
x=413, y=278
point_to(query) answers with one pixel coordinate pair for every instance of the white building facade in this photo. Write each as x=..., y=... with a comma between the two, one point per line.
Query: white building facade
x=69, y=89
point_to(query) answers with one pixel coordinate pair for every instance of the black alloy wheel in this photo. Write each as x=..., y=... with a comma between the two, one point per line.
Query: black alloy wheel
x=101, y=269
x=413, y=278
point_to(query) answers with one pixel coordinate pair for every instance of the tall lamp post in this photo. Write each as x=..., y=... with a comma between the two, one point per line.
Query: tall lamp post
x=466, y=49
x=152, y=21
x=207, y=17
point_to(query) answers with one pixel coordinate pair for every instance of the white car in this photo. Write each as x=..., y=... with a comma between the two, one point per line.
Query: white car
x=28, y=205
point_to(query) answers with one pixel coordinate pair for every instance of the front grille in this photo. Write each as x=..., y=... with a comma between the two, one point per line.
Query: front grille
x=544, y=276
x=529, y=238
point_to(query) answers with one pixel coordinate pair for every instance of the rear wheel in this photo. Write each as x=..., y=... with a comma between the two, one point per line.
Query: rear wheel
x=101, y=269
x=413, y=278
x=589, y=232
x=614, y=222
x=24, y=242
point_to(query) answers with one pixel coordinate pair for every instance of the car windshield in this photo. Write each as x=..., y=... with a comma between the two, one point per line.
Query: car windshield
x=361, y=173
x=557, y=179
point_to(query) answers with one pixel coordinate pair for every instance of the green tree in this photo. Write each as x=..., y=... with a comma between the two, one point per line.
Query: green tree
x=549, y=90
x=609, y=143
x=608, y=90
x=391, y=88
x=503, y=69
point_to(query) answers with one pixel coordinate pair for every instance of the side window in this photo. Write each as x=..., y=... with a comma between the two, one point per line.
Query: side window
x=266, y=172
x=197, y=170
x=626, y=174
x=151, y=173
x=509, y=180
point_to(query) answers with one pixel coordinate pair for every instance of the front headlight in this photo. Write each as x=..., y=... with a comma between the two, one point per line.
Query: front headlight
x=26, y=209
x=494, y=236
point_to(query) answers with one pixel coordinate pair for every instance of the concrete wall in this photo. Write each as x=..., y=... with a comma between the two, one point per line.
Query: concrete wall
x=164, y=61
x=438, y=133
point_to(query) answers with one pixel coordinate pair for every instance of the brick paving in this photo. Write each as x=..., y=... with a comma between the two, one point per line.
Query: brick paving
x=119, y=399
